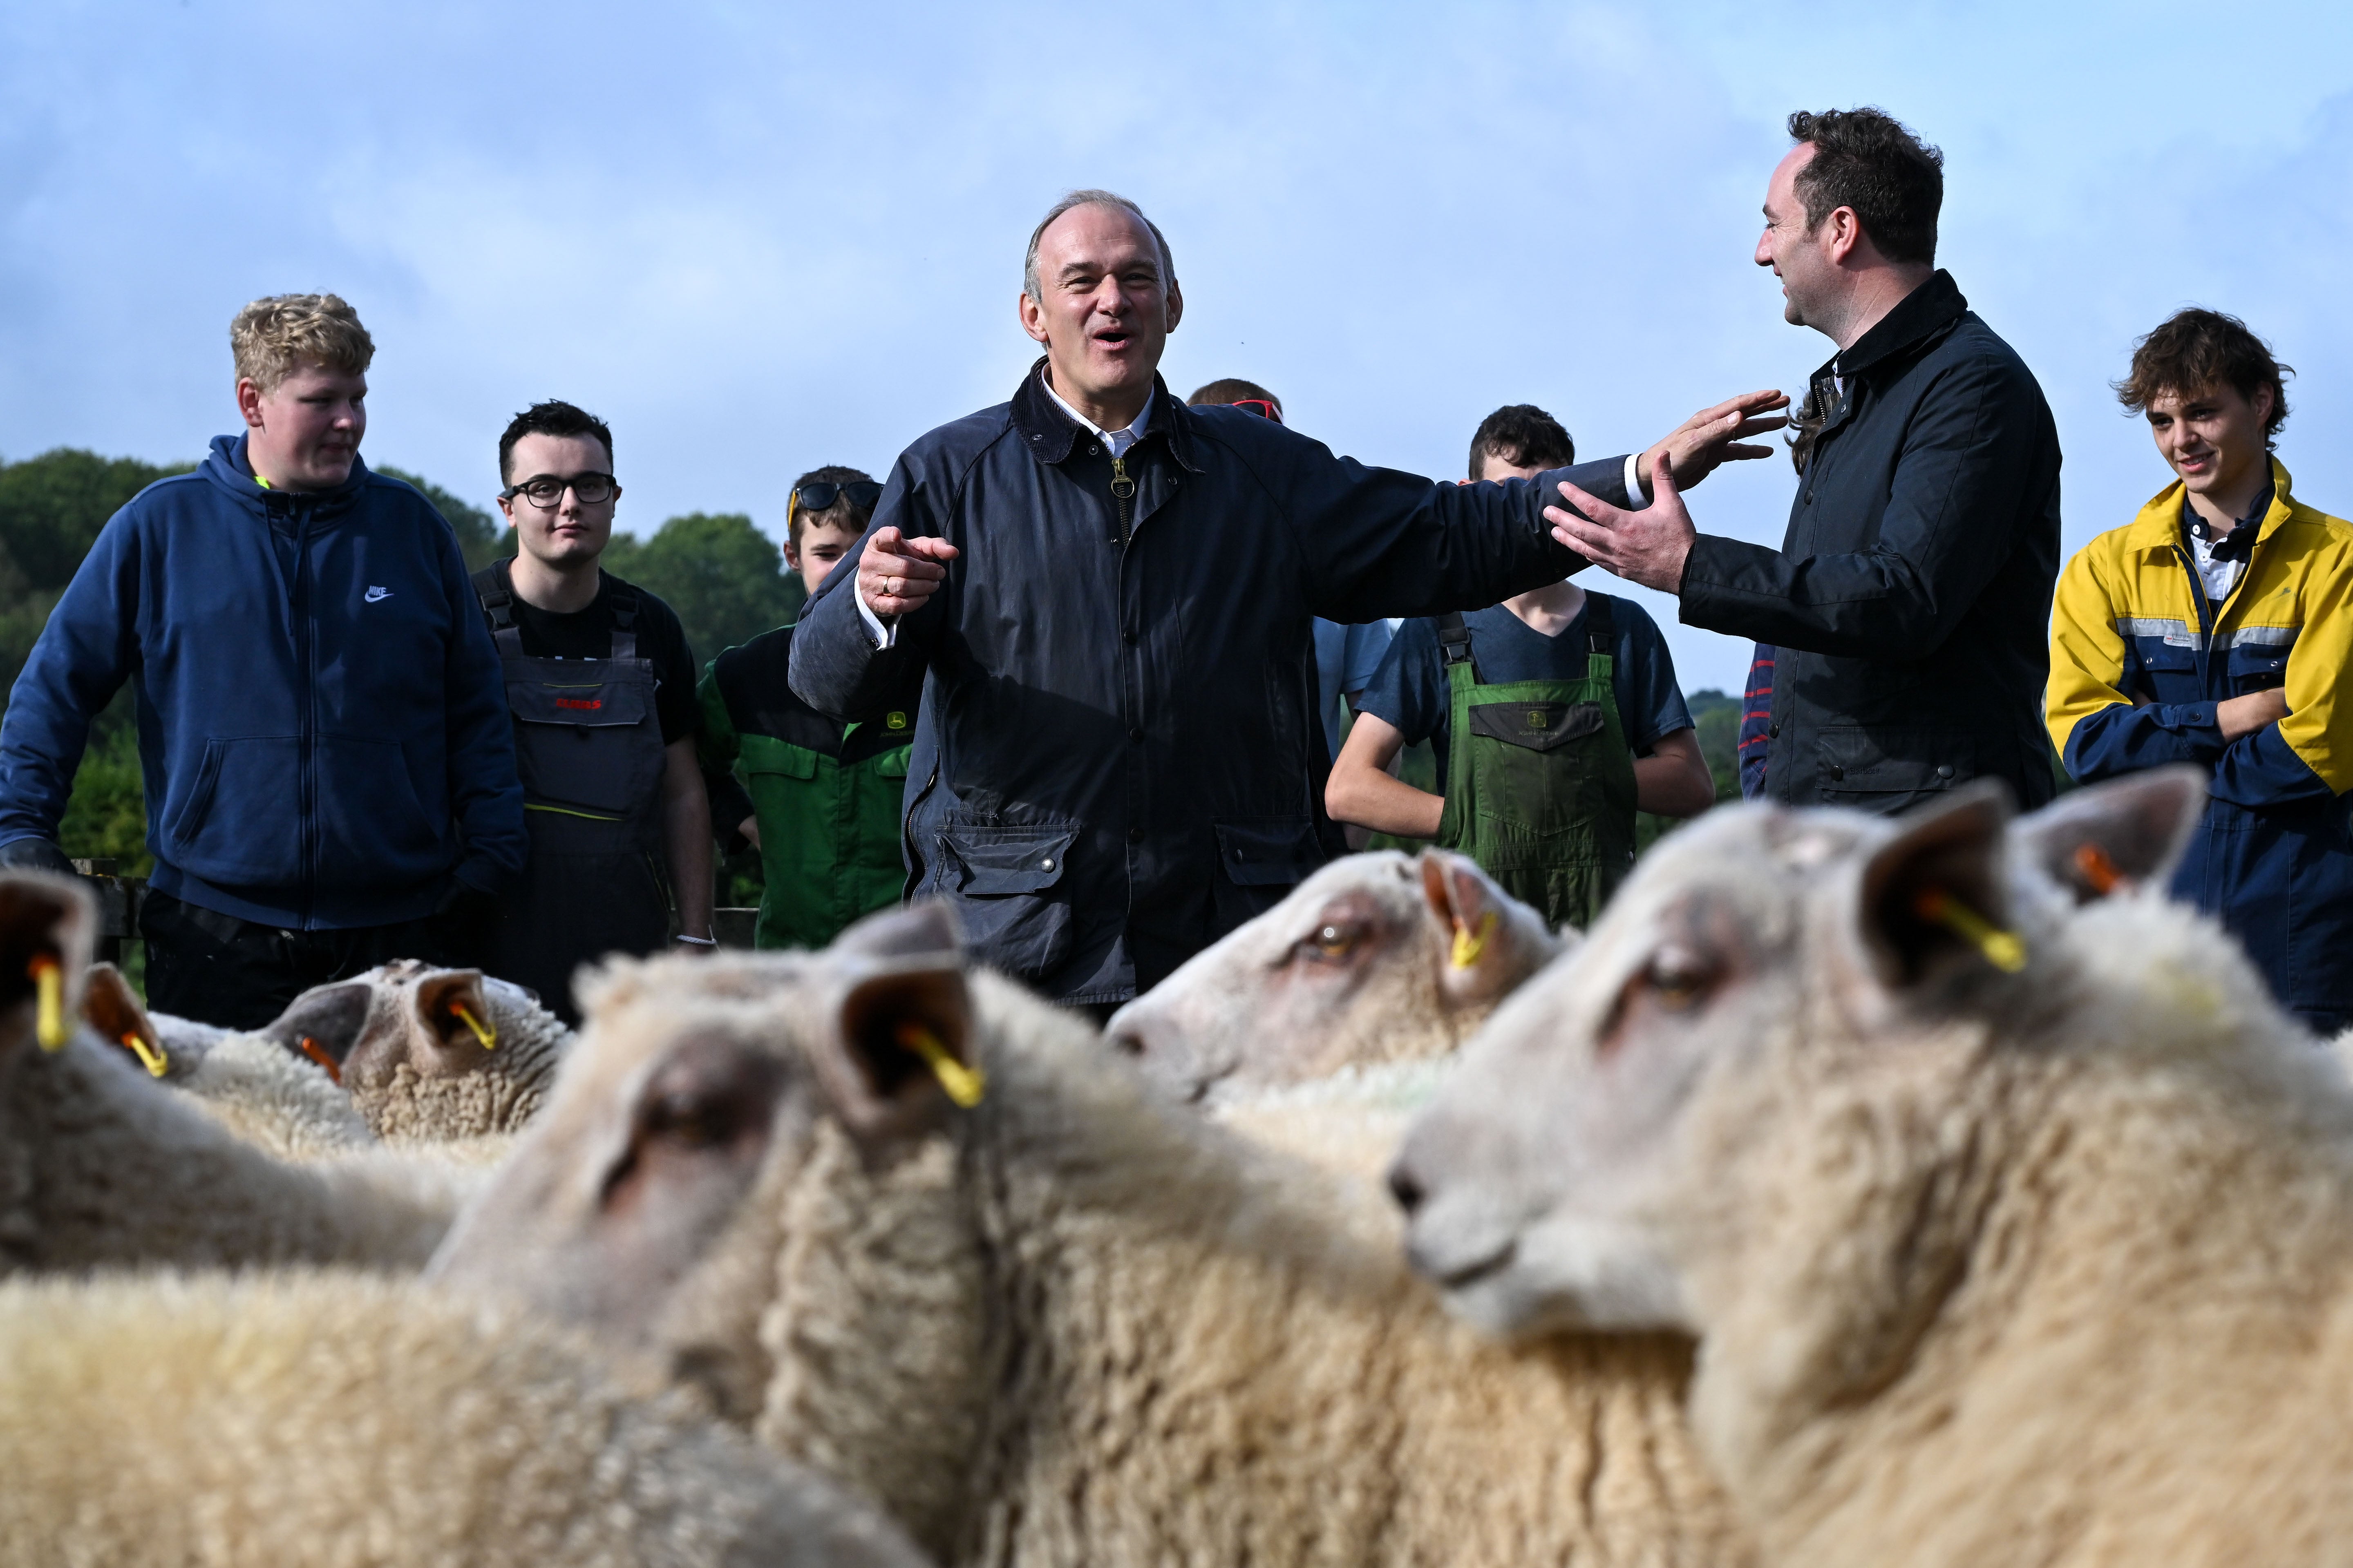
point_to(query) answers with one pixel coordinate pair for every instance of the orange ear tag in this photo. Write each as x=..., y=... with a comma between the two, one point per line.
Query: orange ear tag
x=1467, y=947
x=964, y=1084
x=2097, y=869
x=49, y=1010
x=318, y=1053
x=2005, y=949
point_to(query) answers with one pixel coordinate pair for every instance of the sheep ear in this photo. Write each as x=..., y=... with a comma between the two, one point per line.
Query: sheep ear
x=2112, y=837
x=113, y=1011
x=325, y=1021
x=455, y=1013
x=1933, y=898
x=899, y=1049
x=1485, y=945
x=44, y=920
x=921, y=929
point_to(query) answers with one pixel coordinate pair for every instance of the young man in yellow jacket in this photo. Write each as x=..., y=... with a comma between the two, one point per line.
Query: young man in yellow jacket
x=2214, y=629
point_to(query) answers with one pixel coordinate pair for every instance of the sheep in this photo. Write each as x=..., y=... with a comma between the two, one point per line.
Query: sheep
x=387, y=1056
x=349, y=1420
x=1074, y=1324
x=101, y=1165
x=2014, y=1231
x=1376, y=958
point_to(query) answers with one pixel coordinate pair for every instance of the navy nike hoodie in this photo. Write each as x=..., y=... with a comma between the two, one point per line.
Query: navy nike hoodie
x=322, y=725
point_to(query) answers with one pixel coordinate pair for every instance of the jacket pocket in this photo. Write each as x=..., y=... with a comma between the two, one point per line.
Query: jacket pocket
x=766, y=754
x=374, y=828
x=239, y=824
x=1001, y=880
x=1260, y=860
x=1885, y=772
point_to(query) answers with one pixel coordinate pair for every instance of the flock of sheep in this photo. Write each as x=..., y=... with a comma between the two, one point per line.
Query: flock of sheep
x=1855, y=1192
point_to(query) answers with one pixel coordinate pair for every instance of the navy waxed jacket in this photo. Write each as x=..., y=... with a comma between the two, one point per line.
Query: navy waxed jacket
x=1910, y=599
x=322, y=725
x=1118, y=757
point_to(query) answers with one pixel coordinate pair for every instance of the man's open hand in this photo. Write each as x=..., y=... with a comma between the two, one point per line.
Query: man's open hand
x=895, y=574
x=1648, y=547
x=1715, y=435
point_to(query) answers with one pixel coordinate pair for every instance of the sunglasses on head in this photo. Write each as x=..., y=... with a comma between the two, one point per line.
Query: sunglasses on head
x=1260, y=406
x=819, y=494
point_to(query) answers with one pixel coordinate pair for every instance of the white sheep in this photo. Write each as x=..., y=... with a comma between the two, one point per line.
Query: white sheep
x=2014, y=1232
x=1376, y=958
x=101, y=1165
x=352, y=1421
x=1073, y=1324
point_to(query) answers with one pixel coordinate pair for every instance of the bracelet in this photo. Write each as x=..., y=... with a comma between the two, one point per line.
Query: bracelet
x=696, y=941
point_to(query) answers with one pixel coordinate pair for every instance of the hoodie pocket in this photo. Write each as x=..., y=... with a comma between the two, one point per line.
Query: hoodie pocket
x=374, y=830
x=237, y=824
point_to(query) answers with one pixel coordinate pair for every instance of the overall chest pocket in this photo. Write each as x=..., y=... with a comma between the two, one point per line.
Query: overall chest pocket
x=588, y=745
x=1537, y=726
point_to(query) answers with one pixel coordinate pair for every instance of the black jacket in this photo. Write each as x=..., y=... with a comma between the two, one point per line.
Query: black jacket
x=1118, y=758
x=1911, y=600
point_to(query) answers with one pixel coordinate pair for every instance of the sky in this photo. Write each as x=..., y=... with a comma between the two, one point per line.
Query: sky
x=761, y=237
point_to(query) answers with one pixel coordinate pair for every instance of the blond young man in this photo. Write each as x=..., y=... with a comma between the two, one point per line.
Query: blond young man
x=330, y=776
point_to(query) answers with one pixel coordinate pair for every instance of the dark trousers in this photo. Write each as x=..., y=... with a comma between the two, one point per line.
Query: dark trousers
x=239, y=974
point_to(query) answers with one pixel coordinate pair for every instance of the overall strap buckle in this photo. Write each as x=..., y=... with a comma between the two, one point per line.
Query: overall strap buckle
x=624, y=603
x=496, y=595
x=1601, y=629
x=1454, y=644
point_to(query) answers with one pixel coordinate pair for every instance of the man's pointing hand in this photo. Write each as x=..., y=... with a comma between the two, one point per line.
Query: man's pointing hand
x=896, y=574
x=1647, y=547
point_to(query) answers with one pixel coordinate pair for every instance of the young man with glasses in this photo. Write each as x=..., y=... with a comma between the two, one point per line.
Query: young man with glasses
x=600, y=685
x=824, y=805
x=330, y=782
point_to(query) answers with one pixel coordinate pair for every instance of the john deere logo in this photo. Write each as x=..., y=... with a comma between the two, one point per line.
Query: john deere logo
x=1536, y=719
x=894, y=720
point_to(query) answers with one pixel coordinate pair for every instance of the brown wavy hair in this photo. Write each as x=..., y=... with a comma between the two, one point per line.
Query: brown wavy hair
x=2196, y=349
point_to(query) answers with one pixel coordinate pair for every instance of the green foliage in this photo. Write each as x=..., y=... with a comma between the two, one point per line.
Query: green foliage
x=724, y=577
x=482, y=537
x=1717, y=717
x=106, y=817
x=52, y=508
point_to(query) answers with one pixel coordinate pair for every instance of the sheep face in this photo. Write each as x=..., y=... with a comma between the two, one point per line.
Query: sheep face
x=1375, y=958
x=401, y=1014
x=1767, y=994
x=698, y=1093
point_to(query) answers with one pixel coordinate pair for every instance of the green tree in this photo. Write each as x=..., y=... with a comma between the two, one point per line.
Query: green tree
x=724, y=577
x=482, y=538
x=51, y=508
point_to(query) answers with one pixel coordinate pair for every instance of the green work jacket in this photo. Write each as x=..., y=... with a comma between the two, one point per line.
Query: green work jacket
x=828, y=795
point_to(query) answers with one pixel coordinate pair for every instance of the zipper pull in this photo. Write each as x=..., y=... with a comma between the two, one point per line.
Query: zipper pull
x=1121, y=485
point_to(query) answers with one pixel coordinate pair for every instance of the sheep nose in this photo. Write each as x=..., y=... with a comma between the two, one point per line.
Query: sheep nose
x=1406, y=1188
x=1124, y=1039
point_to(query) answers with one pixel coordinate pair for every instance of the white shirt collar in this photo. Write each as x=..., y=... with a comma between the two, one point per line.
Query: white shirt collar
x=1120, y=440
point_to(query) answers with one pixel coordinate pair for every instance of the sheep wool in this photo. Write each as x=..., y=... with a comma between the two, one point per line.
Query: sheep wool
x=1076, y=1325
x=351, y=1421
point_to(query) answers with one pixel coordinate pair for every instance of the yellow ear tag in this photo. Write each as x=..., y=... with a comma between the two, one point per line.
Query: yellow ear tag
x=2003, y=948
x=964, y=1084
x=1468, y=947
x=482, y=1032
x=49, y=1013
x=150, y=1057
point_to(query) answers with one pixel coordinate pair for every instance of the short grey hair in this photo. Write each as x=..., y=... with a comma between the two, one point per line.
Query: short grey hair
x=1090, y=199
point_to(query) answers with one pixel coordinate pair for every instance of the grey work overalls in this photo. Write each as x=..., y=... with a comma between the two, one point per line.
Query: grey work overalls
x=589, y=746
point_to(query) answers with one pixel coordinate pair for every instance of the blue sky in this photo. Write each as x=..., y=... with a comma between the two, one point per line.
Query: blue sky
x=761, y=237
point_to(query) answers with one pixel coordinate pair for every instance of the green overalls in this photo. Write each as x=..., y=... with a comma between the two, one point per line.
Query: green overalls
x=828, y=795
x=1539, y=779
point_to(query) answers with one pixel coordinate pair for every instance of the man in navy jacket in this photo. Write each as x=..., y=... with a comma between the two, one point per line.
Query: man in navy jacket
x=1111, y=598
x=322, y=731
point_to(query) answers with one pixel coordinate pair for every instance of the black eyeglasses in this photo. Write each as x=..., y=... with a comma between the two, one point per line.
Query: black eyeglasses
x=593, y=490
x=819, y=494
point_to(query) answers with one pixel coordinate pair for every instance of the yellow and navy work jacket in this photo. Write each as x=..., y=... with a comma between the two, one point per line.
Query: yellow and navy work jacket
x=2138, y=660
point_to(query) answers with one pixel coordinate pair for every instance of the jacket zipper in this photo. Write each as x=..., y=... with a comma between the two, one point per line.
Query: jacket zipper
x=1123, y=491
x=308, y=789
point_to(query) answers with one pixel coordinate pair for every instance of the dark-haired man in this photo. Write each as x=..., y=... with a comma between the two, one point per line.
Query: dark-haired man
x=1554, y=716
x=822, y=807
x=1908, y=601
x=1108, y=595
x=600, y=685
x=2214, y=630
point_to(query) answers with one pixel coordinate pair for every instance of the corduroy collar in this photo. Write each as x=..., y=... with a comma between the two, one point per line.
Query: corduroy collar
x=1051, y=438
x=1935, y=304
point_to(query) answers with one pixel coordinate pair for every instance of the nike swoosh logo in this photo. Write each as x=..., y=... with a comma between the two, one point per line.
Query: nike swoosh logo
x=375, y=595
